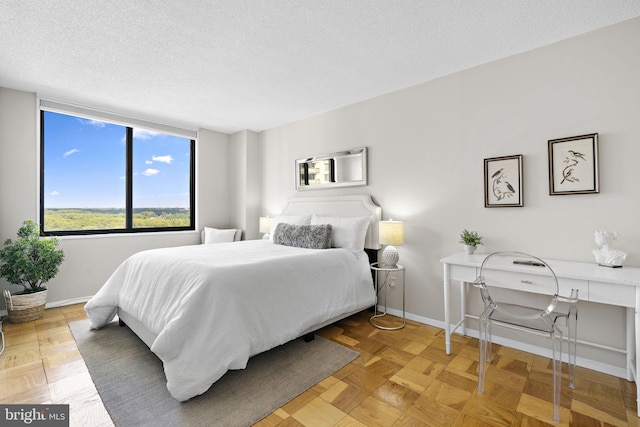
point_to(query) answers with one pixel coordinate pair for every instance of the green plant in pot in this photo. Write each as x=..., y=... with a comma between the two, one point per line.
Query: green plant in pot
x=470, y=240
x=30, y=261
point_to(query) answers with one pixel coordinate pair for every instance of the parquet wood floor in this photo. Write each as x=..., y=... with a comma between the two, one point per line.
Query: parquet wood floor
x=402, y=378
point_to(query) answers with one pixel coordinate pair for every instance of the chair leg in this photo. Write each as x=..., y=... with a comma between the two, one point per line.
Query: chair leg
x=556, y=338
x=482, y=359
x=489, y=339
x=573, y=339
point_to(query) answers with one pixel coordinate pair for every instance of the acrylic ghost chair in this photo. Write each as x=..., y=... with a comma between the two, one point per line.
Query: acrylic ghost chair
x=539, y=309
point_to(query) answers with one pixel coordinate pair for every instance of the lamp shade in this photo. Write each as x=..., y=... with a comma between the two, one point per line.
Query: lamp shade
x=391, y=232
x=265, y=224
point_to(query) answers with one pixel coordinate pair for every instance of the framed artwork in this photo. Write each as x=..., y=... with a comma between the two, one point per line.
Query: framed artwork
x=573, y=165
x=503, y=182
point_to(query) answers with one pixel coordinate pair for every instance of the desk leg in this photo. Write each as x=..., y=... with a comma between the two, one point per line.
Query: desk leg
x=447, y=312
x=463, y=306
x=631, y=343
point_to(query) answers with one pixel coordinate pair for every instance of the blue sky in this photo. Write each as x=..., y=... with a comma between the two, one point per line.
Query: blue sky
x=85, y=165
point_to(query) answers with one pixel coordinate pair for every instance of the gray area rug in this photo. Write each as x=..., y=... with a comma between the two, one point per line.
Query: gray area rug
x=132, y=385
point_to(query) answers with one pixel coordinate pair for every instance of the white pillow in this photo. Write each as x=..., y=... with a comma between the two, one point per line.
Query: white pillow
x=348, y=233
x=215, y=235
x=288, y=219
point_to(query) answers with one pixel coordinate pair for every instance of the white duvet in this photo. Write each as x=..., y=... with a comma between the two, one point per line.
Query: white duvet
x=214, y=306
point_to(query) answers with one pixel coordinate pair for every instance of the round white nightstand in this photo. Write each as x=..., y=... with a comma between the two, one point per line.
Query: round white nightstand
x=389, y=280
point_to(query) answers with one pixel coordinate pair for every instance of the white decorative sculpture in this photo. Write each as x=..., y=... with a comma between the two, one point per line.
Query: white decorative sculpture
x=605, y=255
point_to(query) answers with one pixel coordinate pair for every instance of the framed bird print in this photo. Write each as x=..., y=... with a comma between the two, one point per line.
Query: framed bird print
x=573, y=165
x=503, y=182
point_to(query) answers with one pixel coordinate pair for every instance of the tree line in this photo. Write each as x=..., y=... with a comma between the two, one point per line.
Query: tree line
x=113, y=218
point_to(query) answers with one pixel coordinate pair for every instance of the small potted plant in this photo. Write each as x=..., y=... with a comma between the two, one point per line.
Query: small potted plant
x=470, y=240
x=30, y=261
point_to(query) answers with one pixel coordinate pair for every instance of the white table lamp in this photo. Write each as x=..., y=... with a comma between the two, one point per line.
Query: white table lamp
x=265, y=226
x=391, y=234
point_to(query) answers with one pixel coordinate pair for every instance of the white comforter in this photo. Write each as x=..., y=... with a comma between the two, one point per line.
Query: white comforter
x=214, y=306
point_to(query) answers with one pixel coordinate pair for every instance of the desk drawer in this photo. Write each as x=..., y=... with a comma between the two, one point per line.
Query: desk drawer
x=463, y=273
x=520, y=281
x=537, y=283
x=609, y=293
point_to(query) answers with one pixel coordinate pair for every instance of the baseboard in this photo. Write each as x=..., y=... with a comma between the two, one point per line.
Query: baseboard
x=54, y=304
x=68, y=302
x=519, y=345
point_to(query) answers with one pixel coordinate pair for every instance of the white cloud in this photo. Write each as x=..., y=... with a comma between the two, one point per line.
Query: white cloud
x=90, y=122
x=144, y=134
x=162, y=159
x=148, y=162
x=54, y=193
x=70, y=152
x=150, y=172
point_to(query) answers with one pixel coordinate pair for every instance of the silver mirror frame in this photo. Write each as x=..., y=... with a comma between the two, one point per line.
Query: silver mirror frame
x=347, y=169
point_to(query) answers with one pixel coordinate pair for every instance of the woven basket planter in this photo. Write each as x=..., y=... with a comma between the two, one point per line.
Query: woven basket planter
x=25, y=307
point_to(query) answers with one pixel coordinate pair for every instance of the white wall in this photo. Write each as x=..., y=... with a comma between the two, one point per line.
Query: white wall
x=426, y=149
x=244, y=182
x=90, y=260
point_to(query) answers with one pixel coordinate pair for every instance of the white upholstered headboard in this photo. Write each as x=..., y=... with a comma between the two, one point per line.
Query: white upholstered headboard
x=344, y=206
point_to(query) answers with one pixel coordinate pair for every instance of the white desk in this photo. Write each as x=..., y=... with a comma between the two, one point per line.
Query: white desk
x=603, y=285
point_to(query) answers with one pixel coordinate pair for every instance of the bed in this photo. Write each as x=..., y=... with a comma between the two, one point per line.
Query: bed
x=205, y=309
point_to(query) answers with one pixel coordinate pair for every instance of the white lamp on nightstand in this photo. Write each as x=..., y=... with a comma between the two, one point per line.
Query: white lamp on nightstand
x=391, y=234
x=265, y=226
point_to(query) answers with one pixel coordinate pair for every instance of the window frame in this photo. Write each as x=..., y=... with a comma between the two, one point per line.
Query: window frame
x=129, y=126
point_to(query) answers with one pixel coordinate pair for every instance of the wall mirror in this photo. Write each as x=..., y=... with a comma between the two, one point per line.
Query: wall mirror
x=341, y=169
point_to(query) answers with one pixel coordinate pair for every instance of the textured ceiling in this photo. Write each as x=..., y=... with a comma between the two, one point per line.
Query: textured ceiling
x=257, y=64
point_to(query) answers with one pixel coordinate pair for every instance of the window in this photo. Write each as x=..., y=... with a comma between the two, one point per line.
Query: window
x=101, y=176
